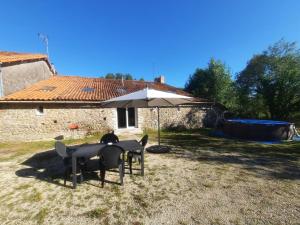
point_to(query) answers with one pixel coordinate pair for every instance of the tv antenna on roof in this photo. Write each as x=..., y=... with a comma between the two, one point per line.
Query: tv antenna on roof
x=45, y=40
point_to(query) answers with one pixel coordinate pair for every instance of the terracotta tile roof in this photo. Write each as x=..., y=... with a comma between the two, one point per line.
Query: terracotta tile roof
x=12, y=57
x=71, y=88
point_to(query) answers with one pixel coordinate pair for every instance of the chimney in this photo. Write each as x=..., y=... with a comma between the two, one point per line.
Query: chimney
x=160, y=79
x=53, y=69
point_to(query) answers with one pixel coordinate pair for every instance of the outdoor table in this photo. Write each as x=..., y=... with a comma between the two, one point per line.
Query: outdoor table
x=91, y=150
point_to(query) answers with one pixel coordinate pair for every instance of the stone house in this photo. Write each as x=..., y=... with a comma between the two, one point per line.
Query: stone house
x=70, y=106
x=20, y=70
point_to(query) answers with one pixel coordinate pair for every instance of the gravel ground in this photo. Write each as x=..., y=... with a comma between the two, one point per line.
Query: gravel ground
x=195, y=184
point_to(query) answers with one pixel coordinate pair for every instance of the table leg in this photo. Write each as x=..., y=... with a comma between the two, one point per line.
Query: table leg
x=74, y=177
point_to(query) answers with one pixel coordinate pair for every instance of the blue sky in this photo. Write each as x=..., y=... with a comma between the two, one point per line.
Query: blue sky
x=146, y=38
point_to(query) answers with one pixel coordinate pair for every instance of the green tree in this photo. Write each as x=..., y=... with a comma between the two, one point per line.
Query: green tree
x=214, y=83
x=128, y=77
x=118, y=76
x=110, y=76
x=270, y=83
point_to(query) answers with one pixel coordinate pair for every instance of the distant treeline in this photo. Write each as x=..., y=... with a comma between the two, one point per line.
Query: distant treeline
x=268, y=87
x=119, y=76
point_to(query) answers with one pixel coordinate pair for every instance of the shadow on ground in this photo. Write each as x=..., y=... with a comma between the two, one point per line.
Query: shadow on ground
x=48, y=166
x=278, y=161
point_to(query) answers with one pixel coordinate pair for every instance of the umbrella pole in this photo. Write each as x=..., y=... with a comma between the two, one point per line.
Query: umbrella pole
x=158, y=126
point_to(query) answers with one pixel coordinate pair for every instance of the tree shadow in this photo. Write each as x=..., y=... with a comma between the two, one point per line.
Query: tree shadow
x=277, y=161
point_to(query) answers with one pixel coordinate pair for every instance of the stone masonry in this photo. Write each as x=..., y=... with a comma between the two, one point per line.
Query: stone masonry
x=179, y=117
x=20, y=121
x=18, y=76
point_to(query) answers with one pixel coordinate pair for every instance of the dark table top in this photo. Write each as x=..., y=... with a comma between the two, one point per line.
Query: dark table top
x=91, y=150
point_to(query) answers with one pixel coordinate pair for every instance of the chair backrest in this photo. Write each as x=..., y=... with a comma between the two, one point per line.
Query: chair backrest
x=61, y=149
x=59, y=137
x=110, y=156
x=109, y=138
x=144, y=140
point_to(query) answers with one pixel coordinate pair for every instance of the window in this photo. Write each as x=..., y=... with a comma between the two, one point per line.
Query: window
x=121, y=118
x=131, y=117
x=126, y=117
x=47, y=88
x=39, y=111
x=88, y=89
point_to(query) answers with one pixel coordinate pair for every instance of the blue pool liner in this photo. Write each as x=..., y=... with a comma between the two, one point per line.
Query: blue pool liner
x=220, y=134
x=264, y=122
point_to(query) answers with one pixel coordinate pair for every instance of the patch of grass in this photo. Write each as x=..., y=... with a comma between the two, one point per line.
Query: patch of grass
x=208, y=185
x=140, y=199
x=226, y=186
x=131, y=211
x=160, y=197
x=23, y=187
x=12, y=150
x=235, y=221
x=118, y=208
x=97, y=213
x=116, y=191
x=140, y=185
x=87, y=197
x=11, y=205
x=182, y=222
x=88, y=139
x=216, y=221
x=34, y=196
x=137, y=223
x=151, y=173
x=116, y=215
x=41, y=215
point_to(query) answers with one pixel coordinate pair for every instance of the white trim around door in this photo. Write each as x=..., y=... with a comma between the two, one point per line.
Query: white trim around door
x=127, y=118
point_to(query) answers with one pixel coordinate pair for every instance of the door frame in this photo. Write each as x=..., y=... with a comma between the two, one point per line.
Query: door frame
x=126, y=113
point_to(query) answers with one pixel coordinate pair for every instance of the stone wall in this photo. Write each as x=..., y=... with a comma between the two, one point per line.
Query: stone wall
x=22, y=122
x=19, y=76
x=176, y=118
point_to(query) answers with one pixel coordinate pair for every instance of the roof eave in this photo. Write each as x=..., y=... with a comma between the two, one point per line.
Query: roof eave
x=3, y=64
x=50, y=102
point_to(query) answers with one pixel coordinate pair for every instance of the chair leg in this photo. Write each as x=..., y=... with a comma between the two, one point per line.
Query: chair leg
x=130, y=164
x=83, y=168
x=66, y=174
x=81, y=175
x=142, y=165
x=121, y=173
x=102, y=177
x=123, y=166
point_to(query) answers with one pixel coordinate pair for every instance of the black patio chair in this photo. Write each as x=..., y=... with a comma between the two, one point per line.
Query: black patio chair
x=138, y=155
x=111, y=157
x=66, y=154
x=109, y=138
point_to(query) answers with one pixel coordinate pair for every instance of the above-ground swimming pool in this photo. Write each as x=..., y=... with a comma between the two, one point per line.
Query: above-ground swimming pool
x=261, y=130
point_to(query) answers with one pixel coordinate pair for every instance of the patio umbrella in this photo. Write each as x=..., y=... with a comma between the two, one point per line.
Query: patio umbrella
x=148, y=98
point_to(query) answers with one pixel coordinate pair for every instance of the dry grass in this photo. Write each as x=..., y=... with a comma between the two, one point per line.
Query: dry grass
x=204, y=180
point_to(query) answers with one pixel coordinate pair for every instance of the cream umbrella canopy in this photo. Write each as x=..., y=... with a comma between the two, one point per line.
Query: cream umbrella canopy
x=148, y=98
